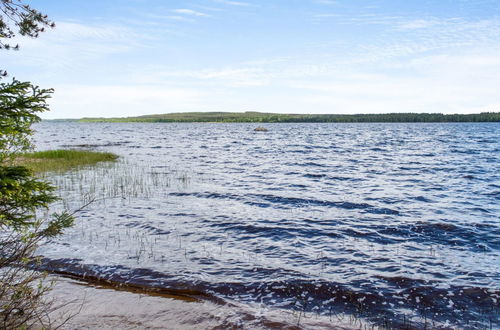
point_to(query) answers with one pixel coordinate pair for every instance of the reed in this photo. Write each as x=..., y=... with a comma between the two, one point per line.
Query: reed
x=62, y=160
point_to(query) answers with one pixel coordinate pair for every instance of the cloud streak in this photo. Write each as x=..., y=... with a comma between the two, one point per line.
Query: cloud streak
x=190, y=12
x=234, y=3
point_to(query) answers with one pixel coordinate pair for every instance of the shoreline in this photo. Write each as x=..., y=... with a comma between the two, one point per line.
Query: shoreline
x=91, y=306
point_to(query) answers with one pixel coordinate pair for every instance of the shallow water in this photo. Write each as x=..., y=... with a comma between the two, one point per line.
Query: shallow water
x=396, y=223
x=100, y=307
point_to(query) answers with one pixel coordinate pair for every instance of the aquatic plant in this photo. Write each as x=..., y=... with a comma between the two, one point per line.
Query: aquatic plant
x=62, y=160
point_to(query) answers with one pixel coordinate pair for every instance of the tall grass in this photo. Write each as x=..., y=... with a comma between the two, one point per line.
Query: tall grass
x=62, y=160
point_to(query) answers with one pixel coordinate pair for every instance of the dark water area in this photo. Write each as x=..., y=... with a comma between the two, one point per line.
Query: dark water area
x=397, y=224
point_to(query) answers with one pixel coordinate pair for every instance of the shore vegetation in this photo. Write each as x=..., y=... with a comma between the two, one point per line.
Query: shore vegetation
x=262, y=117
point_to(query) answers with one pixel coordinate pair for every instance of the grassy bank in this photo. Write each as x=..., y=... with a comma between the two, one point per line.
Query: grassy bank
x=261, y=117
x=62, y=160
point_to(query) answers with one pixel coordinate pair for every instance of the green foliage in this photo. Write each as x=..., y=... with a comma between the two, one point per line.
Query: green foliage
x=20, y=196
x=57, y=224
x=261, y=117
x=62, y=160
x=20, y=102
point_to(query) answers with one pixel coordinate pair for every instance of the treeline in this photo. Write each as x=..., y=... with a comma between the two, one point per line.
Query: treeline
x=260, y=117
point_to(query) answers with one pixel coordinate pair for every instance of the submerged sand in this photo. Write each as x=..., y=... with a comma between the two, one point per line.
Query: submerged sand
x=98, y=307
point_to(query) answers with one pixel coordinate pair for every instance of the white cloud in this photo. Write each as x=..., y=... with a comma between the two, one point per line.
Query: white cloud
x=237, y=76
x=462, y=83
x=419, y=24
x=234, y=3
x=326, y=2
x=78, y=101
x=175, y=18
x=190, y=12
x=70, y=45
x=446, y=83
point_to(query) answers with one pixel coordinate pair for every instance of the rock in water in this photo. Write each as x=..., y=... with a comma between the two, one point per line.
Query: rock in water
x=260, y=129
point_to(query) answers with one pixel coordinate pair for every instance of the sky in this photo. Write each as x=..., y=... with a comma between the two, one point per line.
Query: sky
x=113, y=58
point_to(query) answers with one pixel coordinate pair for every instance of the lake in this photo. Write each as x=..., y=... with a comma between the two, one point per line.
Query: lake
x=396, y=224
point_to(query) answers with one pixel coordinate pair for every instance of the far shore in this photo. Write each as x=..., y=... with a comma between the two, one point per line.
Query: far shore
x=263, y=117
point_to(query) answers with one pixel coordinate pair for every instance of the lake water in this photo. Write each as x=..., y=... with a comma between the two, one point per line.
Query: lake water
x=397, y=224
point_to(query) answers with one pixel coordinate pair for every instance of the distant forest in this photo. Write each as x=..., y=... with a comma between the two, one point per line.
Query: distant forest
x=260, y=117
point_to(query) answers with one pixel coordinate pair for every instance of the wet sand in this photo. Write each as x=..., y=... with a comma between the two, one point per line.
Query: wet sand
x=99, y=307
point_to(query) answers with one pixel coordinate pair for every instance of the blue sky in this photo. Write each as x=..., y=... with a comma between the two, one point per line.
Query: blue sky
x=132, y=57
